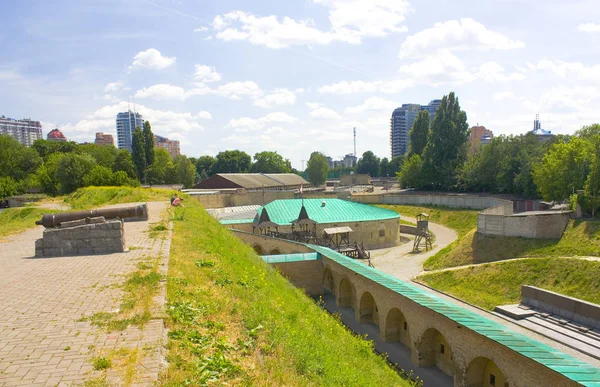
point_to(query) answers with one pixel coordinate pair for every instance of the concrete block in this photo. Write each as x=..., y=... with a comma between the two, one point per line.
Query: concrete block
x=52, y=252
x=101, y=250
x=85, y=251
x=72, y=223
x=39, y=244
x=97, y=219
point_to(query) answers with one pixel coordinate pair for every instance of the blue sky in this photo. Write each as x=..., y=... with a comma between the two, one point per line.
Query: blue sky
x=296, y=76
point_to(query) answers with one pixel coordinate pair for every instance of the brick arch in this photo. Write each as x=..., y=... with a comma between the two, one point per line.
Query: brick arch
x=328, y=283
x=367, y=308
x=258, y=248
x=435, y=351
x=346, y=293
x=483, y=372
x=397, y=327
x=275, y=252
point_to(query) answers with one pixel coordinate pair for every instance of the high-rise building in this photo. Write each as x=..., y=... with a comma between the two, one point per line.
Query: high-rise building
x=349, y=160
x=56, y=135
x=402, y=121
x=126, y=124
x=476, y=138
x=104, y=139
x=25, y=131
x=170, y=145
x=400, y=124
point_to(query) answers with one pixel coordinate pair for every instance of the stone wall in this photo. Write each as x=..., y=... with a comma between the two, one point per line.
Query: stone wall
x=452, y=201
x=501, y=221
x=307, y=275
x=82, y=237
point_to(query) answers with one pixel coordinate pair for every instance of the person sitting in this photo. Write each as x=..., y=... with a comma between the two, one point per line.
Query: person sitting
x=173, y=198
x=177, y=202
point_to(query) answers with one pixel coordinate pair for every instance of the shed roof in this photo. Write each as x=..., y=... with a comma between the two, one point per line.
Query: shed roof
x=337, y=230
x=285, y=211
x=251, y=180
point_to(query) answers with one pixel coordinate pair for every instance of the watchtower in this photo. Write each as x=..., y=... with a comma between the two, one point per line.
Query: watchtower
x=423, y=233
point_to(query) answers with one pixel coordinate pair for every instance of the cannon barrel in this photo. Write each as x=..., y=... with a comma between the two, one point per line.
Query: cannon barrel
x=54, y=220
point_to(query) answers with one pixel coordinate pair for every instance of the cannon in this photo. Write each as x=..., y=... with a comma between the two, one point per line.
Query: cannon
x=54, y=220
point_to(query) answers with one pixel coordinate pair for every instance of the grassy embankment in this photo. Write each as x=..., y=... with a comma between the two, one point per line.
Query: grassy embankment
x=489, y=285
x=90, y=197
x=581, y=238
x=16, y=220
x=234, y=320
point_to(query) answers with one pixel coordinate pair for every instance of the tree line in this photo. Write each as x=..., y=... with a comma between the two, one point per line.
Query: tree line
x=62, y=167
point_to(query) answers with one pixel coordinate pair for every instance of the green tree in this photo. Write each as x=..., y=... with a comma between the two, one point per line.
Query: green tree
x=99, y=176
x=564, y=168
x=124, y=163
x=104, y=154
x=47, y=174
x=138, y=153
x=232, y=161
x=592, y=183
x=204, y=166
x=162, y=170
x=185, y=171
x=317, y=168
x=148, y=143
x=16, y=160
x=446, y=147
x=45, y=148
x=384, y=167
x=369, y=164
x=410, y=176
x=590, y=131
x=270, y=162
x=72, y=170
x=395, y=164
x=418, y=134
x=8, y=187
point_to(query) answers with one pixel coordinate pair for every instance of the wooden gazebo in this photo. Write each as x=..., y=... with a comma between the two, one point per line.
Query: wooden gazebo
x=264, y=224
x=304, y=228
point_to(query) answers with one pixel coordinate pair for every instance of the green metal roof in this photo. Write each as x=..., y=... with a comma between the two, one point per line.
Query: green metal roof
x=566, y=365
x=284, y=211
x=279, y=258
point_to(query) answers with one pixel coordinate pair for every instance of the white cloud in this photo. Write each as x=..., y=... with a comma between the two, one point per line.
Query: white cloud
x=151, y=59
x=205, y=115
x=589, y=27
x=205, y=73
x=201, y=29
x=373, y=104
x=110, y=98
x=493, y=72
x=321, y=112
x=351, y=20
x=569, y=70
x=246, y=123
x=234, y=90
x=502, y=95
x=162, y=92
x=113, y=86
x=456, y=35
x=351, y=87
x=277, y=98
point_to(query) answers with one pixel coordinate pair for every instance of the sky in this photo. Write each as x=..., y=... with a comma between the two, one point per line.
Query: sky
x=296, y=76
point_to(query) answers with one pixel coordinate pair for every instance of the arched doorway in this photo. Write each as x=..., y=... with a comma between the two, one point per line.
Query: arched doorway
x=275, y=252
x=368, y=309
x=258, y=249
x=396, y=327
x=328, y=281
x=482, y=372
x=434, y=351
x=346, y=296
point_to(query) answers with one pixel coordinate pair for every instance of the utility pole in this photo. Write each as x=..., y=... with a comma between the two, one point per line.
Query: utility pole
x=303, y=165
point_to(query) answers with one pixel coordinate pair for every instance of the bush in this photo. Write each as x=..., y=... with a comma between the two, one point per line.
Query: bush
x=8, y=187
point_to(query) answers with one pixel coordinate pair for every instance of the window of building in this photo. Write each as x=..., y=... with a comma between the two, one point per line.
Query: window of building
x=382, y=233
x=492, y=380
x=442, y=349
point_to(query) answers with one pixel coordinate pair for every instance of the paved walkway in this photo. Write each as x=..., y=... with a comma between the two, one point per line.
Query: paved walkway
x=401, y=262
x=43, y=341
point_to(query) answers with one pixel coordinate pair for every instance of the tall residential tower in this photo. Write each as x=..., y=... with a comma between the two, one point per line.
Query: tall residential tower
x=402, y=121
x=25, y=131
x=126, y=124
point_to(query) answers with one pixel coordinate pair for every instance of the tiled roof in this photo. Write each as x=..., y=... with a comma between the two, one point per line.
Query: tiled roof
x=564, y=364
x=284, y=211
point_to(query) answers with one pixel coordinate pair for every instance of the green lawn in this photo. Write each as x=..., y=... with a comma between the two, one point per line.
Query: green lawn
x=489, y=285
x=581, y=238
x=90, y=197
x=16, y=220
x=460, y=220
x=235, y=320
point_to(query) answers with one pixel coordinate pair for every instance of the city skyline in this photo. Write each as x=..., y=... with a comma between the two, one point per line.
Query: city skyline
x=351, y=67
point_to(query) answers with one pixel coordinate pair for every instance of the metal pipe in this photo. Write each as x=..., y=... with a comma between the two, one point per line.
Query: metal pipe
x=54, y=220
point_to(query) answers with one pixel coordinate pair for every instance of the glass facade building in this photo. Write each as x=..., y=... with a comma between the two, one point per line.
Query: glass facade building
x=126, y=124
x=402, y=121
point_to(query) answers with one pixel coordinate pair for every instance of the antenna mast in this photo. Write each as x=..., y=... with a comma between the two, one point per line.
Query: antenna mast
x=355, y=142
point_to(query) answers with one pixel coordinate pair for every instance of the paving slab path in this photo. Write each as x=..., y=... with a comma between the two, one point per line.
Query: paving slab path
x=43, y=340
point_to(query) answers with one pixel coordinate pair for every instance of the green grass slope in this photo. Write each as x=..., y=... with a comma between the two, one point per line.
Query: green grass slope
x=460, y=220
x=234, y=320
x=581, y=238
x=500, y=283
x=90, y=197
x=16, y=220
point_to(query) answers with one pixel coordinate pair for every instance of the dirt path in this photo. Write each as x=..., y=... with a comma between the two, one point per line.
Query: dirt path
x=401, y=262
